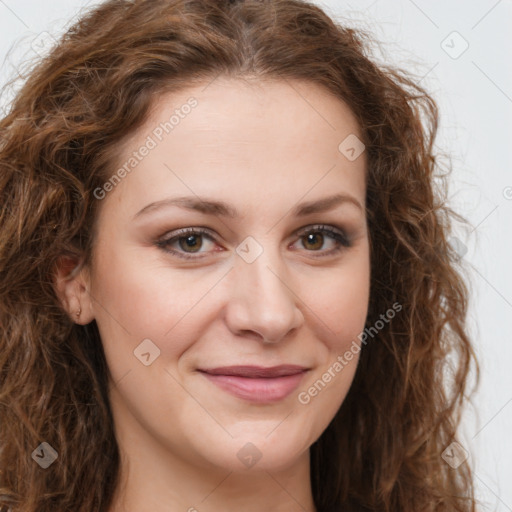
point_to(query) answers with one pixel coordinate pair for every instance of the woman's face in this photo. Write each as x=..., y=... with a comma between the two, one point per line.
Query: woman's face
x=272, y=271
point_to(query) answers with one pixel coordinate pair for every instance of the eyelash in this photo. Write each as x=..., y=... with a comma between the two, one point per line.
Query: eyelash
x=338, y=236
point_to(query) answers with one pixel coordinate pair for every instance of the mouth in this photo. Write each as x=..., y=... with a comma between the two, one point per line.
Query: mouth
x=256, y=383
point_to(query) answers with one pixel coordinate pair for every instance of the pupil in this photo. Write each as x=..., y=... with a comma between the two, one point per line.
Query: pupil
x=315, y=236
x=189, y=240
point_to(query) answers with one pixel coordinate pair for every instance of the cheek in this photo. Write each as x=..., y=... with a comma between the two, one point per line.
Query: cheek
x=340, y=307
x=136, y=290
x=134, y=302
x=340, y=303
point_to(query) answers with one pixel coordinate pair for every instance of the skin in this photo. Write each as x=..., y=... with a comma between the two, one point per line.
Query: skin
x=263, y=147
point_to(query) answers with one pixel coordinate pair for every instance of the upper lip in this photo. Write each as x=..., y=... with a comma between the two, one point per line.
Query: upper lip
x=256, y=371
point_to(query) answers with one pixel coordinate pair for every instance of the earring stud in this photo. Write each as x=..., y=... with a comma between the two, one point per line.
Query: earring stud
x=78, y=312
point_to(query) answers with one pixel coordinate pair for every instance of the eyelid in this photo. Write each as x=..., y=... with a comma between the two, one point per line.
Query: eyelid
x=164, y=241
x=332, y=231
x=329, y=228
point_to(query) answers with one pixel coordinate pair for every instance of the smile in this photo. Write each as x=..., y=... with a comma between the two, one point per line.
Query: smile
x=257, y=384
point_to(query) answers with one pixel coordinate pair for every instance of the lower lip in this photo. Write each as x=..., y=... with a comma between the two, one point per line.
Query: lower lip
x=257, y=389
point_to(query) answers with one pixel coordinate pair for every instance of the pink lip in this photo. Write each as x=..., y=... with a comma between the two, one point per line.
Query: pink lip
x=255, y=383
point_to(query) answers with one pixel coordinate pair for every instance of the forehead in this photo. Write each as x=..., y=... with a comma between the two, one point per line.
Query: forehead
x=279, y=137
x=252, y=111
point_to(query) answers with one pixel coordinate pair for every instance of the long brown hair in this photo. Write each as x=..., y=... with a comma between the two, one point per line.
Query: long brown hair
x=383, y=450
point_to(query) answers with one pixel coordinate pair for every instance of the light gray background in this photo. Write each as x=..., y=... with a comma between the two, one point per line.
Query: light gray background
x=474, y=92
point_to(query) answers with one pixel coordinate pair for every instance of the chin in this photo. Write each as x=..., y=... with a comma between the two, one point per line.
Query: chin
x=253, y=451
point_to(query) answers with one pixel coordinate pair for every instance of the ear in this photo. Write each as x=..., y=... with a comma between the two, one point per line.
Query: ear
x=72, y=285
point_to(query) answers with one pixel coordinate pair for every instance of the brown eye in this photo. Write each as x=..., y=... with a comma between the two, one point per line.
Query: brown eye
x=192, y=242
x=315, y=240
x=184, y=243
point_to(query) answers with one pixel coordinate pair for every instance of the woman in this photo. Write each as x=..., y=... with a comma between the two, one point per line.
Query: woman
x=226, y=282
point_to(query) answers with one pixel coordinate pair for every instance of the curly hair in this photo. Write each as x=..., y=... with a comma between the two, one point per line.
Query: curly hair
x=383, y=449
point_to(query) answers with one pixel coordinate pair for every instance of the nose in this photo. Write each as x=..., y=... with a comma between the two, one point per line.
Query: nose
x=262, y=303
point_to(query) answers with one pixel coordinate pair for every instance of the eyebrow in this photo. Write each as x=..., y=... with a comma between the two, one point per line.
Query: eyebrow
x=220, y=208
